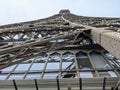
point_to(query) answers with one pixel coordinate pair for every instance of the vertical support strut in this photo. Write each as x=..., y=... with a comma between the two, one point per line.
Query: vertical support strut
x=112, y=88
x=36, y=85
x=76, y=64
x=80, y=83
x=60, y=67
x=116, y=86
x=58, y=85
x=104, y=83
x=45, y=65
x=14, y=83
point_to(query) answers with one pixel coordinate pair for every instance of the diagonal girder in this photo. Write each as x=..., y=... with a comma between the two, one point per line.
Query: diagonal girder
x=38, y=46
x=27, y=55
x=36, y=42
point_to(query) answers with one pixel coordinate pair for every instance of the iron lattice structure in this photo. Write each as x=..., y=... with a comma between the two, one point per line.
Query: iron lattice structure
x=58, y=52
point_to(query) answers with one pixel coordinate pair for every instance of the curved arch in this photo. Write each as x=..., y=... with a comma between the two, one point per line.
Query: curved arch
x=81, y=54
x=55, y=53
x=67, y=52
x=81, y=51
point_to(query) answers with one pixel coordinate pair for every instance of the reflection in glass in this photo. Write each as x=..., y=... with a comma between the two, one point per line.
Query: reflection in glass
x=99, y=61
x=54, y=57
x=65, y=65
x=112, y=73
x=83, y=61
x=41, y=58
x=68, y=61
x=113, y=60
x=68, y=56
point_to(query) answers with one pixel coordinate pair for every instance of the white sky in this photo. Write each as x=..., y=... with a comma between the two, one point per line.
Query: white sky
x=12, y=11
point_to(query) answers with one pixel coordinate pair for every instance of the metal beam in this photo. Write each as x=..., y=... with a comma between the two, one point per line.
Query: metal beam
x=80, y=83
x=76, y=64
x=37, y=42
x=43, y=71
x=106, y=59
x=88, y=54
x=104, y=83
x=36, y=84
x=58, y=84
x=117, y=84
x=60, y=67
x=15, y=85
x=11, y=72
x=28, y=69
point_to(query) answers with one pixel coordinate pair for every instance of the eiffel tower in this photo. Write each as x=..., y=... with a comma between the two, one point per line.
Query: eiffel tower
x=61, y=52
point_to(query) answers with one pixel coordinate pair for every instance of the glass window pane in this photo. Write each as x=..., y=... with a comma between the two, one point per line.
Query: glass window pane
x=104, y=74
x=68, y=56
x=99, y=61
x=22, y=67
x=107, y=74
x=37, y=66
x=86, y=75
x=16, y=76
x=40, y=58
x=50, y=75
x=65, y=65
x=3, y=76
x=112, y=73
x=52, y=65
x=83, y=61
x=33, y=76
x=54, y=57
x=7, y=69
x=112, y=60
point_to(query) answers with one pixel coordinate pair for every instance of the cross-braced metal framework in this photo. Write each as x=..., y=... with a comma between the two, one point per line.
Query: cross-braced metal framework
x=19, y=52
x=51, y=53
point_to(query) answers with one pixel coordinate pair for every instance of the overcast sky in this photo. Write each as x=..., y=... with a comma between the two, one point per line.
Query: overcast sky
x=12, y=11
